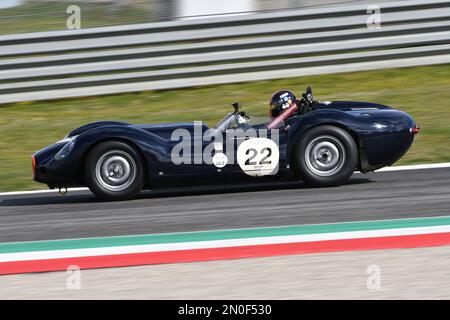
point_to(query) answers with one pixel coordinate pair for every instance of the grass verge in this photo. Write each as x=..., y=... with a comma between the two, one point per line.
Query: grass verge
x=51, y=16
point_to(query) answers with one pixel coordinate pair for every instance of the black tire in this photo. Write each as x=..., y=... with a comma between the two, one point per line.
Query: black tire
x=114, y=171
x=325, y=156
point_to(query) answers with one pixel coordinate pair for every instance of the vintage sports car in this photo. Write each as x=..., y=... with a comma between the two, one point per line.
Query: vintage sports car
x=320, y=143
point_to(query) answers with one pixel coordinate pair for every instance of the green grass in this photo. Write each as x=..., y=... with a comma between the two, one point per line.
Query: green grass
x=50, y=16
x=424, y=92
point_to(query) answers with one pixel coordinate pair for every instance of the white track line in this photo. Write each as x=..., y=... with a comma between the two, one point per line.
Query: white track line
x=416, y=167
x=386, y=169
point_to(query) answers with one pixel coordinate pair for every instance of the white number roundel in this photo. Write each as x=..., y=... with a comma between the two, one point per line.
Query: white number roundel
x=220, y=160
x=258, y=157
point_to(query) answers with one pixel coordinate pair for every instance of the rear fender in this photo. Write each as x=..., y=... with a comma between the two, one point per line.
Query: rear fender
x=300, y=124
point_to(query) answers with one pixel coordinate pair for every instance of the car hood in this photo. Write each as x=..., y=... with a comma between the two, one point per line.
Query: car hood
x=165, y=130
x=161, y=129
x=93, y=125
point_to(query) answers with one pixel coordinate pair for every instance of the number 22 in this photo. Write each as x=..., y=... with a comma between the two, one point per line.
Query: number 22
x=263, y=161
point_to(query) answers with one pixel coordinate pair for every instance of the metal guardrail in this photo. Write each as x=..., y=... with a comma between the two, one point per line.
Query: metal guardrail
x=40, y=66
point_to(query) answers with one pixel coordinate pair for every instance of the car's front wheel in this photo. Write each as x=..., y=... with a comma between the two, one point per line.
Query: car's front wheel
x=114, y=171
x=325, y=156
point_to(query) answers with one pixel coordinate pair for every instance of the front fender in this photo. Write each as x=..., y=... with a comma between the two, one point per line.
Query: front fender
x=69, y=171
x=93, y=125
x=154, y=148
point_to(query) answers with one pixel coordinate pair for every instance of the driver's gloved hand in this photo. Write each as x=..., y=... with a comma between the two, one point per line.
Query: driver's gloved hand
x=303, y=107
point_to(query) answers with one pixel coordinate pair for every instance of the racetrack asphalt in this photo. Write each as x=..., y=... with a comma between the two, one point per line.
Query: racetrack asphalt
x=374, y=196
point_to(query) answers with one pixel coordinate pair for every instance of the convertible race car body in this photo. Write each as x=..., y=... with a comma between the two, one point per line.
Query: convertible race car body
x=322, y=147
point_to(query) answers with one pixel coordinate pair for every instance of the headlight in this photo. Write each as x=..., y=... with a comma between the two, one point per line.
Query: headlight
x=64, y=152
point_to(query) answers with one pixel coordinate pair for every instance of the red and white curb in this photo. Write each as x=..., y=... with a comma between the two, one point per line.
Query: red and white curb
x=222, y=244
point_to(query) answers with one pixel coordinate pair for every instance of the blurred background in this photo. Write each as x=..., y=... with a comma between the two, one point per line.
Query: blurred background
x=18, y=16
x=146, y=61
x=150, y=61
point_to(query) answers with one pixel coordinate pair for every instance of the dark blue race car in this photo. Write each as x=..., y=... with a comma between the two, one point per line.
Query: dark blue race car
x=320, y=143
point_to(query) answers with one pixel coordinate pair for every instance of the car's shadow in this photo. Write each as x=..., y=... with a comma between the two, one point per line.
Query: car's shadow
x=87, y=197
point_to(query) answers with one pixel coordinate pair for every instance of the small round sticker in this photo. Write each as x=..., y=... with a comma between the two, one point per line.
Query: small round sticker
x=258, y=157
x=220, y=160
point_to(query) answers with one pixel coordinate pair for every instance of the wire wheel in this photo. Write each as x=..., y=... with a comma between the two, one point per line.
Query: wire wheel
x=115, y=170
x=325, y=156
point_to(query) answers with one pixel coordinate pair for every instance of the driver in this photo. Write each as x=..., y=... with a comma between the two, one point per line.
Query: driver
x=281, y=100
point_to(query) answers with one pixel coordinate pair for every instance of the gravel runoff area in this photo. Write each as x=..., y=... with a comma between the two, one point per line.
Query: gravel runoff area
x=420, y=273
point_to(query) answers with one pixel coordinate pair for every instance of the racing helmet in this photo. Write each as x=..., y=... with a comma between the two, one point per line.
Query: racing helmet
x=280, y=100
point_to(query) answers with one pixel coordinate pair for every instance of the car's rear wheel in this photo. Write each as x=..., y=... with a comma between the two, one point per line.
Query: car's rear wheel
x=114, y=171
x=325, y=156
